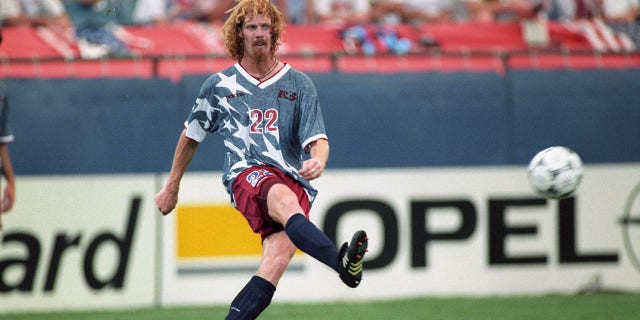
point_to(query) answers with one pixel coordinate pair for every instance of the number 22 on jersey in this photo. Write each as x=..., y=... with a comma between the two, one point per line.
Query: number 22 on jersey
x=263, y=120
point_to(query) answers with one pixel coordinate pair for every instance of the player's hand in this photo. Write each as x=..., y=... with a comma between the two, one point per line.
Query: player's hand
x=311, y=169
x=166, y=201
x=8, y=198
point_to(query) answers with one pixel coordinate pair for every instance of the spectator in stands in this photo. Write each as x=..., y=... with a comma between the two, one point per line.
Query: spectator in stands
x=621, y=16
x=35, y=13
x=618, y=11
x=412, y=11
x=570, y=10
x=504, y=10
x=6, y=169
x=95, y=22
x=588, y=17
x=99, y=28
x=388, y=11
x=154, y=11
x=429, y=11
x=285, y=5
x=299, y=11
x=97, y=13
x=204, y=10
x=342, y=12
x=213, y=11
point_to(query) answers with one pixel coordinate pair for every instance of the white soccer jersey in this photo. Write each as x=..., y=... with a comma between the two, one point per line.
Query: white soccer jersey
x=268, y=122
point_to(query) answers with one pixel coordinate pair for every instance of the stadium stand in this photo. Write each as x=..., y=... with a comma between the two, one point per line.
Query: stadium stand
x=192, y=48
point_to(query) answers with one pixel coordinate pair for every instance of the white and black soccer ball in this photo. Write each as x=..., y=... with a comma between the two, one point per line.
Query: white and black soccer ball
x=555, y=172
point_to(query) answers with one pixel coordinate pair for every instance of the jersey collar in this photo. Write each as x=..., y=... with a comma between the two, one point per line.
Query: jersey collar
x=263, y=84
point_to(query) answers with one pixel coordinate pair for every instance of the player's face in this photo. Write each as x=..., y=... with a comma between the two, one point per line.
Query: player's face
x=256, y=36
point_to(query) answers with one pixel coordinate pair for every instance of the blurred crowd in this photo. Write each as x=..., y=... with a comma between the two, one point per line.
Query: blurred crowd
x=100, y=21
x=66, y=13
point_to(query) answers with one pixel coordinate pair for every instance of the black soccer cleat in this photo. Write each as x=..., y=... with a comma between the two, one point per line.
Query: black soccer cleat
x=351, y=258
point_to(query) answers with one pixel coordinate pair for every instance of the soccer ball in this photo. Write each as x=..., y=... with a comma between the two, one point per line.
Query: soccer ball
x=555, y=172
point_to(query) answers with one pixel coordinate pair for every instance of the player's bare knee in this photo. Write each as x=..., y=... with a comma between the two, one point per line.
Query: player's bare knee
x=282, y=198
x=284, y=209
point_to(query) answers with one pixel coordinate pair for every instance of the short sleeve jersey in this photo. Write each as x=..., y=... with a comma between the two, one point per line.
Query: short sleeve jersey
x=6, y=135
x=261, y=123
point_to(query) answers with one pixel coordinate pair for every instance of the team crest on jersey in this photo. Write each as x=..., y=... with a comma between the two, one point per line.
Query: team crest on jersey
x=255, y=177
x=291, y=96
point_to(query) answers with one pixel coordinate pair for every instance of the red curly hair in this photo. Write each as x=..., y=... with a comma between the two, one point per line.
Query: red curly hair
x=233, y=26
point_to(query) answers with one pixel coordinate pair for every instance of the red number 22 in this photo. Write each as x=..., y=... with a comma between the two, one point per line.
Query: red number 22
x=257, y=117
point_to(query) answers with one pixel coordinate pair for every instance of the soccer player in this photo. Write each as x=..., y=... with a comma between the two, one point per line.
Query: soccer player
x=268, y=115
x=6, y=136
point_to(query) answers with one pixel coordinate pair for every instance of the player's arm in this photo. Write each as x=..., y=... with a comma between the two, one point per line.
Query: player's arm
x=167, y=198
x=7, y=172
x=314, y=166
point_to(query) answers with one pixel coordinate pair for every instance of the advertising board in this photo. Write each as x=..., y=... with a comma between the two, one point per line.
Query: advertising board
x=79, y=242
x=433, y=231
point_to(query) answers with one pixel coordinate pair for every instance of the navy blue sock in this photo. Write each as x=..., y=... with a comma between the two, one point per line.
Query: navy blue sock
x=251, y=300
x=308, y=238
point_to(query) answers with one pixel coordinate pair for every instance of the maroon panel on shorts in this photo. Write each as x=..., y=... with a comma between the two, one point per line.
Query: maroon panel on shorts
x=250, y=191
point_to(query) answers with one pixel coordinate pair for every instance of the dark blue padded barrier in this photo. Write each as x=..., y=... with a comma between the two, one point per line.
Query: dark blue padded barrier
x=414, y=119
x=92, y=126
x=595, y=112
x=79, y=126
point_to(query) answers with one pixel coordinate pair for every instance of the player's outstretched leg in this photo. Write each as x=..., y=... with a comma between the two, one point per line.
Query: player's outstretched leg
x=351, y=257
x=312, y=241
x=347, y=262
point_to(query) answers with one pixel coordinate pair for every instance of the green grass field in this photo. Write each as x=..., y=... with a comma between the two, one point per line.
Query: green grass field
x=556, y=307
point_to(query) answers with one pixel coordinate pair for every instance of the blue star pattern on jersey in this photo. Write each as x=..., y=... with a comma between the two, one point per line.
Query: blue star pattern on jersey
x=230, y=83
x=261, y=123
